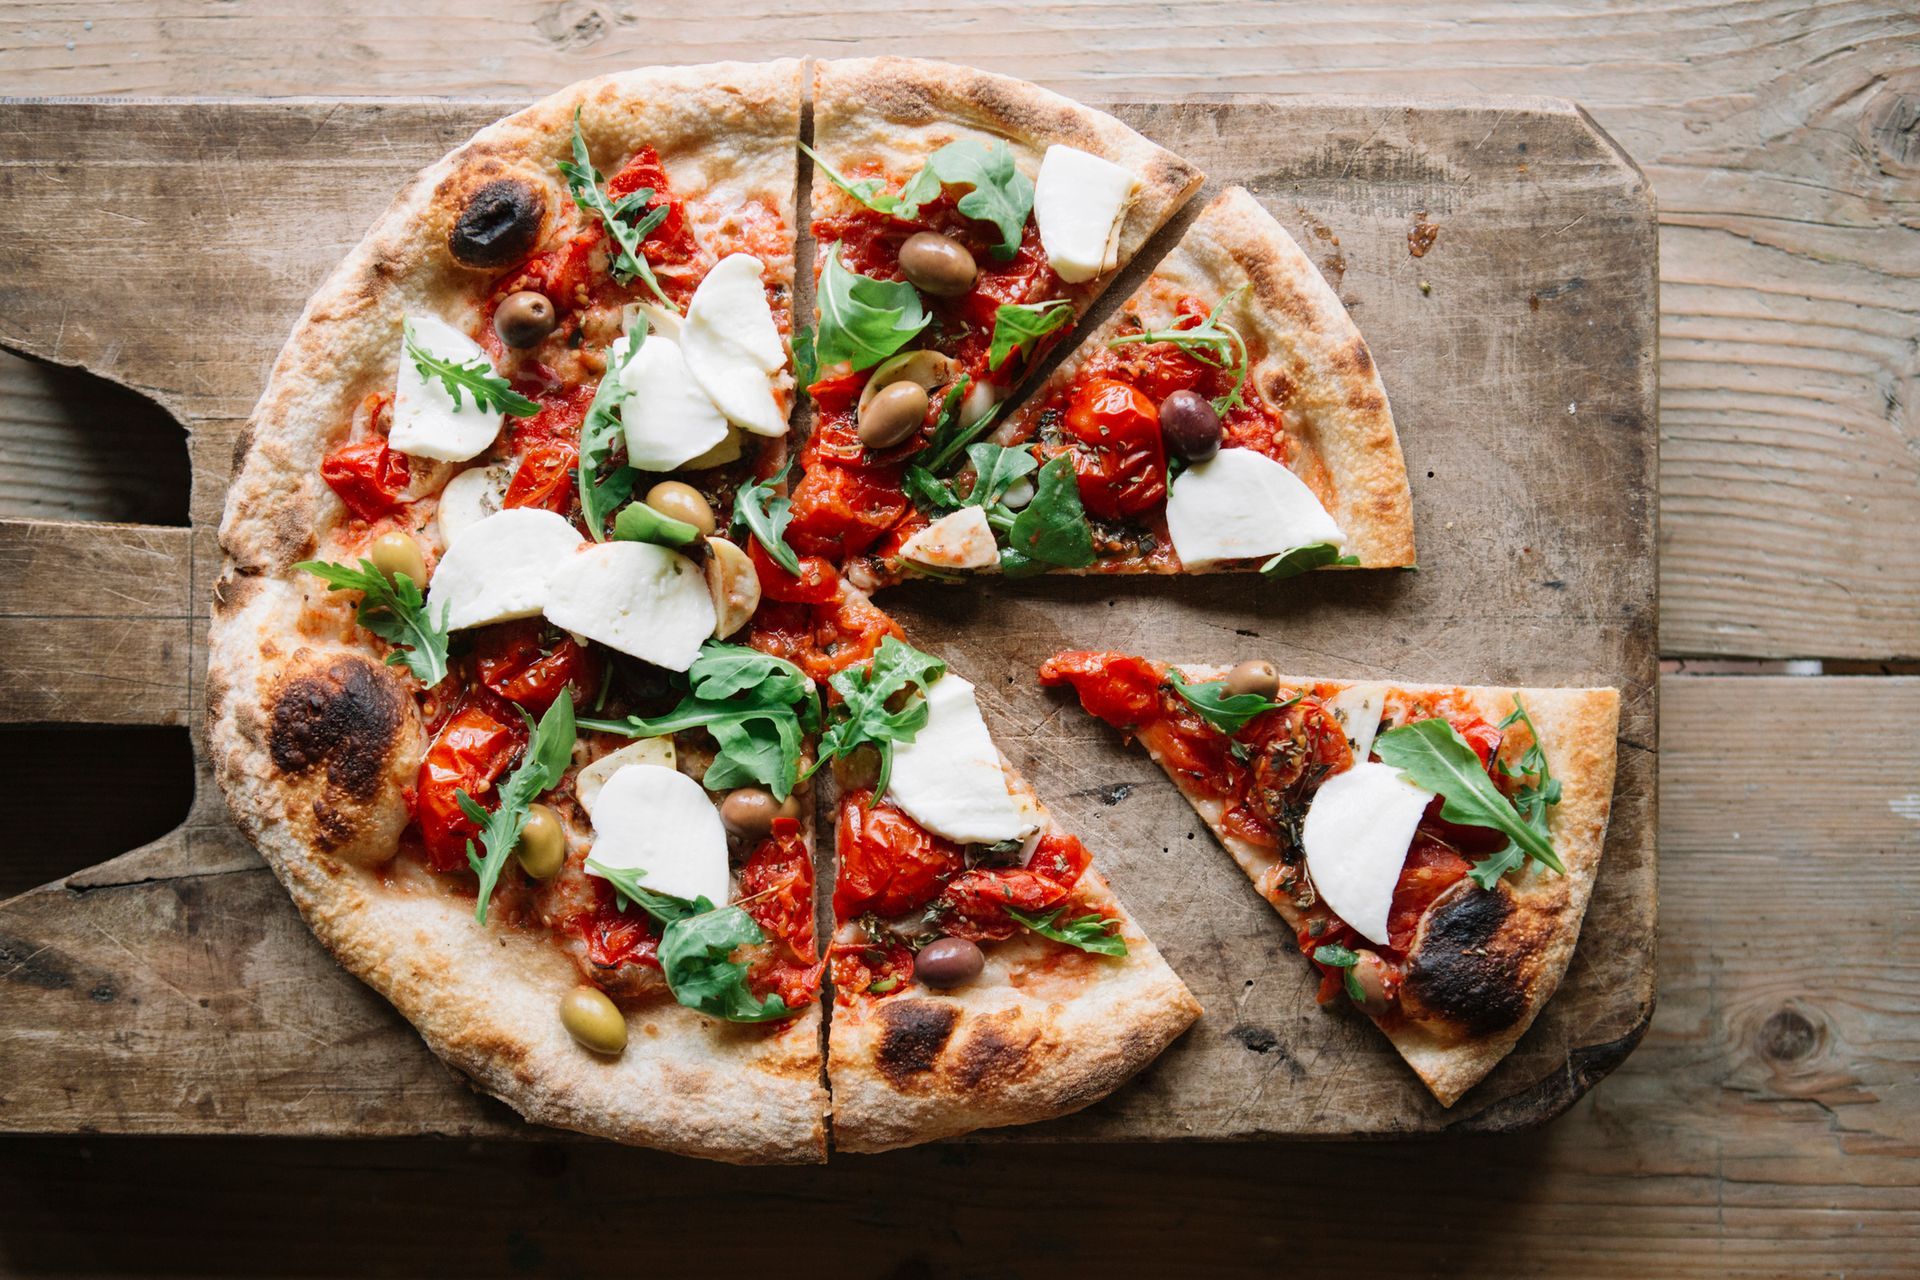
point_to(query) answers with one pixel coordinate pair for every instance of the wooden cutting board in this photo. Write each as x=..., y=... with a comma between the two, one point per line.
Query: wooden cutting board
x=1500, y=258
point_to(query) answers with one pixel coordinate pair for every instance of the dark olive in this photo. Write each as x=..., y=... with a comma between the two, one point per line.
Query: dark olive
x=748, y=812
x=1255, y=675
x=894, y=413
x=680, y=501
x=937, y=264
x=500, y=224
x=1370, y=976
x=1190, y=425
x=948, y=962
x=522, y=319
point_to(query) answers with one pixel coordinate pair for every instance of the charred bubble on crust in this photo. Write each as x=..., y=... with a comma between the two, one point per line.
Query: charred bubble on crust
x=499, y=225
x=993, y=1054
x=346, y=715
x=912, y=1034
x=1458, y=969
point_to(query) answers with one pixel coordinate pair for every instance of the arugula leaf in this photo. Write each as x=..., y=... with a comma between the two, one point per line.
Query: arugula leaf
x=766, y=515
x=1091, y=932
x=1335, y=956
x=549, y=752
x=1019, y=324
x=863, y=320
x=1432, y=754
x=997, y=468
x=1227, y=712
x=862, y=718
x=1001, y=194
x=584, y=181
x=696, y=955
x=724, y=670
x=1538, y=791
x=627, y=888
x=935, y=497
x=474, y=377
x=1314, y=555
x=870, y=192
x=394, y=610
x=806, y=365
x=599, y=431
x=638, y=522
x=1212, y=341
x=1052, y=529
x=949, y=437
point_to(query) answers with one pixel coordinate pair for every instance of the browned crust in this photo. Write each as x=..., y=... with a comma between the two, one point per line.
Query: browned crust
x=1487, y=967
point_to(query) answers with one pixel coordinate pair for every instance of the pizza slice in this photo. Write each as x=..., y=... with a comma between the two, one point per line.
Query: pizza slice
x=1227, y=416
x=962, y=222
x=1432, y=847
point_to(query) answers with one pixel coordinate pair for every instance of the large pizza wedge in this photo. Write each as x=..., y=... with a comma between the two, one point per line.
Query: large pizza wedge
x=1432, y=847
x=487, y=799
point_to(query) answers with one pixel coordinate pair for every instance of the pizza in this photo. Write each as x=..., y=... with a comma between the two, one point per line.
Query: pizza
x=1433, y=848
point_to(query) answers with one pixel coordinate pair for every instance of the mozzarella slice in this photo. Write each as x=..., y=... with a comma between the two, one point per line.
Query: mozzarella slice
x=501, y=567
x=426, y=422
x=471, y=497
x=1242, y=503
x=949, y=777
x=1358, y=828
x=659, y=319
x=636, y=597
x=668, y=419
x=732, y=345
x=1359, y=707
x=588, y=783
x=1079, y=200
x=660, y=821
x=960, y=540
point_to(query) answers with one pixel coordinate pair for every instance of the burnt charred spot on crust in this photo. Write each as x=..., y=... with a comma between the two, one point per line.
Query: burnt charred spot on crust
x=346, y=715
x=1459, y=969
x=992, y=1054
x=1354, y=358
x=912, y=1034
x=499, y=224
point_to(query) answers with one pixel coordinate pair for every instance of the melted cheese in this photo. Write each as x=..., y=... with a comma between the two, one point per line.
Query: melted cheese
x=731, y=345
x=1079, y=202
x=949, y=779
x=501, y=568
x=661, y=822
x=641, y=599
x=1358, y=829
x=426, y=421
x=1241, y=503
x=960, y=540
x=668, y=419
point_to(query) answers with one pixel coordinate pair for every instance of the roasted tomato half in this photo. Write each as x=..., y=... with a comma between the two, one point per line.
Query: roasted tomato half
x=370, y=478
x=1118, y=454
x=471, y=751
x=889, y=864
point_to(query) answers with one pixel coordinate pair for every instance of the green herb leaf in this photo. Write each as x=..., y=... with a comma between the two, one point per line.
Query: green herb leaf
x=1313, y=555
x=765, y=514
x=996, y=469
x=935, y=497
x=1539, y=790
x=870, y=192
x=394, y=610
x=599, y=432
x=1212, y=342
x=880, y=986
x=1023, y=323
x=949, y=437
x=628, y=220
x=1052, y=529
x=1335, y=956
x=806, y=365
x=1089, y=932
x=862, y=718
x=474, y=377
x=1001, y=194
x=549, y=752
x=1227, y=712
x=638, y=522
x=696, y=955
x=1432, y=754
x=863, y=320
x=627, y=889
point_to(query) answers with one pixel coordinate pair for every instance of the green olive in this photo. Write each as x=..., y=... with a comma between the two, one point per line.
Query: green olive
x=894, y=414
x=395, y=553
x=1256, y=676
x=523, y=319
x=682, y=502
x=594, y=1020
x=543, y=843
x=937, y=264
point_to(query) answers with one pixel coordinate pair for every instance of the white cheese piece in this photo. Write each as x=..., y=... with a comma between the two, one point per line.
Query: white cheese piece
x=661, y=822
x=732, y=345
x=960, y=540
x=426, y=422
x=471, y=497
x=728, y=450
x=949, y=777
x=1358, y=828
x=668, y=419
x=1242, y=503
x=659, y=319
x=1359, y=707
x=501, y=567
x=1080, y=200
x=636, y=597
x=1018, y=494
x=591, y=778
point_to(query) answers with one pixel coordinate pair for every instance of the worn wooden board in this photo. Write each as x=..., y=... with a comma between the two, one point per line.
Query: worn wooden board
x=175, y=990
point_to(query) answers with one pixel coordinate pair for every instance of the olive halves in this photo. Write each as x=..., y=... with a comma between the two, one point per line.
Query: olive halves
x=897, y=411
x=499, y=225
x=948, y=962
x=937, y=264
x=1190, y=425
x=524, y=319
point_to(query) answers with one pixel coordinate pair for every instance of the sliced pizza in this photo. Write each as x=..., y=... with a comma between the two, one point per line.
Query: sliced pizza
x=1432, y=847
x=962, y=222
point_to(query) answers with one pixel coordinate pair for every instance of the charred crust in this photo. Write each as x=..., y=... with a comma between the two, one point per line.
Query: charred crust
x=912, y=1034
x=1459, y=969
x=346, y=715
x=991, y=1055
x=499, y=224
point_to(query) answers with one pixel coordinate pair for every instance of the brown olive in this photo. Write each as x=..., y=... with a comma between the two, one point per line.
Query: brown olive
x=1255, y=675
x=543, y=843
x=748, y=812
x=395, y=553
x=499, y=225
x=594, y=1020
x=681, y=501
x=937, y=264
x=948, y=962
x=1190, y=425
x=522, y=319
x=894, y=414
x=1370, y=976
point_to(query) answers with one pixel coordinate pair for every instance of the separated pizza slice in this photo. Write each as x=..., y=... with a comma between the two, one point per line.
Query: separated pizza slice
x=962, y=222
x=1432, y=847
x=1227, y=416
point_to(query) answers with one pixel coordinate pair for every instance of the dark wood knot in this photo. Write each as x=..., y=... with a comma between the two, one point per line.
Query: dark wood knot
x=1789, y=1036
x=1893, y=128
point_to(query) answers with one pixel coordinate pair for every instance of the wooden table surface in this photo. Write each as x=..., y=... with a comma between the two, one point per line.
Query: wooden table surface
x=1769, y=1123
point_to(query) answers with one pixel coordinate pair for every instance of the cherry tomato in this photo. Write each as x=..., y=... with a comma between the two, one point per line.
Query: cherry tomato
x=777, y=882
x=822, y=639
x=870, y=969
x=1430, y=870
x=1118, y=455
x=671, y=241
x=1293, y=749
x=977, y=900
x=561, y=412
x=1121, y=690
x=816, y=583
x=889, y=864
x=544, y=478
x=369, y=477
x=841, y=511
x=472, y=750
x=616, y=937
x=519, y=662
